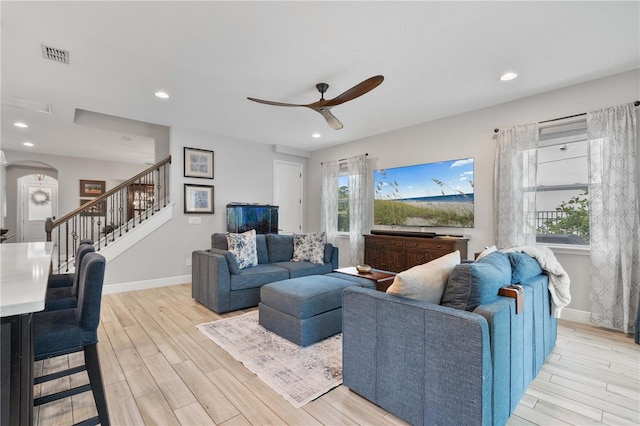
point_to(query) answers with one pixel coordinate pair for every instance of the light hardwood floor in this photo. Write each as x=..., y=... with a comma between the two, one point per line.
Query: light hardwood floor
x=159, y=369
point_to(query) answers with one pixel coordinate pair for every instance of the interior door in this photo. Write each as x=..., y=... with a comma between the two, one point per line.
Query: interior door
x=287, y=195
x=39, y=201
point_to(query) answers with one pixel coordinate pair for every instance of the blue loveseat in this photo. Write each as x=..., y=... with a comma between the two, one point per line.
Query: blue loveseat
x=218, y=283
x=431, y=364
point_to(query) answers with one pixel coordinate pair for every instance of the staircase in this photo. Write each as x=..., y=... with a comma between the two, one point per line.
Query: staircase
x=112, y=216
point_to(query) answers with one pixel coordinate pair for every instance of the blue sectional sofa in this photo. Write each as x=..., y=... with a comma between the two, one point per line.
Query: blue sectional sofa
x=219, y=284
x=432, y=364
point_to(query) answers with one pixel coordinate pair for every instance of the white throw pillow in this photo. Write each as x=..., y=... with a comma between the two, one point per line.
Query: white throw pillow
x=243, y=247
x=425, y=282
x=308, y=247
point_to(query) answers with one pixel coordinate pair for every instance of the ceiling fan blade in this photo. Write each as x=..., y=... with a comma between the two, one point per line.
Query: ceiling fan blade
x=356, y=91
x=331, y=119
x=261, y=101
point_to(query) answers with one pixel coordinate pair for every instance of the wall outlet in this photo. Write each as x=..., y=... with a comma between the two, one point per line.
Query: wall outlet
x=188, y=261
x=195, y=220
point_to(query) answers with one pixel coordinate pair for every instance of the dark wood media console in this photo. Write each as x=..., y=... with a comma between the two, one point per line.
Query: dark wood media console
x=397, y=252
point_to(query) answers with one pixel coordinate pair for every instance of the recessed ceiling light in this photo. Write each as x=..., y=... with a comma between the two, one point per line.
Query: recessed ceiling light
x=316, y=135
x=508, y=76
x=27, y=143
x=21, y=124
x=162, y=95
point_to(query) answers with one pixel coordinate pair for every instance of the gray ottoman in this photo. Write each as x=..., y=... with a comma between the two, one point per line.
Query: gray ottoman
x=303, y=310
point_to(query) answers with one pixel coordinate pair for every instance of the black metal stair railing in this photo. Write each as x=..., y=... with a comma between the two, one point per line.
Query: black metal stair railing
x=111, y=215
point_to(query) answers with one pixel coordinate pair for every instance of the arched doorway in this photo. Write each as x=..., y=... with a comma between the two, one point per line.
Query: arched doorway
x=37, y=199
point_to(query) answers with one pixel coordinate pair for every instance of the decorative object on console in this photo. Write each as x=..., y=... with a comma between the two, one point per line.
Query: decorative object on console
x=433, y=194
x=242, y=217
x=198, y=199
x=299, y=374
x=309, y=247
x=425, y=282
x=363, y=269
x=243, y=247
x=91, y=188
x=198, y=163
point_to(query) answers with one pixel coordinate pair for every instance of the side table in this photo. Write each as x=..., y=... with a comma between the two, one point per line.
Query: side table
x=383, y=279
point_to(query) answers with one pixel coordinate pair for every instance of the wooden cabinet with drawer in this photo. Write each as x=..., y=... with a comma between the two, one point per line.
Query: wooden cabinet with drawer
x=399, y=253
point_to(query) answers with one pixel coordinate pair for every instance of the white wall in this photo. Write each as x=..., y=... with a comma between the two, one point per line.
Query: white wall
x=243, y=171
x=472, y=135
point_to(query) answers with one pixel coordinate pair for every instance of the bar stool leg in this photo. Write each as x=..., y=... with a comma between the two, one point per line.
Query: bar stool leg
x=95, y=378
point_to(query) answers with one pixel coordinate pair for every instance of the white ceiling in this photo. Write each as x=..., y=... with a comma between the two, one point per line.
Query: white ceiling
x=438, y=59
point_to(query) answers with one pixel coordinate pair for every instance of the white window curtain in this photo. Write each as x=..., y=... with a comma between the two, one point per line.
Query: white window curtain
x=329, y=200
x=358, y=206
x=514, y=186
x=614, y=215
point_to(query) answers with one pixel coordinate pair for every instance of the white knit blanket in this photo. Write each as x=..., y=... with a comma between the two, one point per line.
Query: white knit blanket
x=558, y=278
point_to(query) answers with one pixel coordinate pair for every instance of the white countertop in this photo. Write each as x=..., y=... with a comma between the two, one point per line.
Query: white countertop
x=24, y=270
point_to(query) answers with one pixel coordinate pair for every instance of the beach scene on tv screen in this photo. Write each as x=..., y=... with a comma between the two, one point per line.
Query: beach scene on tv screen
x=433, y=194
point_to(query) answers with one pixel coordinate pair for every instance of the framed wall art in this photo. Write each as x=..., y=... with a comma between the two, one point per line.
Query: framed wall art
x=91, y=188
x=198, y=163
x=198, y=199
x=99, y=209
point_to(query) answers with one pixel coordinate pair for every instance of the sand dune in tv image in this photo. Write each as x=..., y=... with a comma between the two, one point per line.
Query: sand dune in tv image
x=433, y=194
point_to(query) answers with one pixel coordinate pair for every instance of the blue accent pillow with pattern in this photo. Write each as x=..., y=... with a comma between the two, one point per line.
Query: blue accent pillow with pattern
x=309, y=247
x=243, y=247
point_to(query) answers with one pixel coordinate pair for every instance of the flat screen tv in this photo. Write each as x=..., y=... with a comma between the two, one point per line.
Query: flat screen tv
x=425, y=195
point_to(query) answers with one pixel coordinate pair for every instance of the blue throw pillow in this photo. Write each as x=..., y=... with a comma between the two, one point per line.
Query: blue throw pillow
x=280, y=247
x=523, y=267
x=261, y=248
x=328, y=251
x=473, y=284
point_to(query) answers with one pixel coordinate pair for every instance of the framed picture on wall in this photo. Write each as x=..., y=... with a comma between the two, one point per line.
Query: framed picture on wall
x=91, y=188
x=198, y=163
x=99, y=209
x=198, y=199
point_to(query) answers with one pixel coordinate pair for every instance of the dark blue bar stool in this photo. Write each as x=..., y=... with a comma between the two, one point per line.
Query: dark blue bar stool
x=68, y=279
x=73, y=330
x=66, y=297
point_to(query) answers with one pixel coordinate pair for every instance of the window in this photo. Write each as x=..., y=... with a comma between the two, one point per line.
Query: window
x=343, y=201
x=562, y=197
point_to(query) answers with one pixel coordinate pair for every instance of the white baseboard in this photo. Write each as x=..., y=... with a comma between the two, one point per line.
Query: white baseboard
x=576, y=315
x=142, y=285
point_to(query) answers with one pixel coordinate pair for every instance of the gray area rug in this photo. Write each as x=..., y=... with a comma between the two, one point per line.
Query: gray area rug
x=299, y=374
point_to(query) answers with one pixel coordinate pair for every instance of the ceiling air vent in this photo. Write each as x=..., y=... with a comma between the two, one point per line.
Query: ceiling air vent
x=56, y=55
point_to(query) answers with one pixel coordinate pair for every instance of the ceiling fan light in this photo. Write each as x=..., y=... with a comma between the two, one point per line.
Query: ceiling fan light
x=316, y=135
x=21, y=124
x=28, y=144
x=507, y=76
x=162, y=95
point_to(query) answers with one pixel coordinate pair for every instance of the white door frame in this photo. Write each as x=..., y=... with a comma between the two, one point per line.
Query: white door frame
x=300, y=166
x=22, y=198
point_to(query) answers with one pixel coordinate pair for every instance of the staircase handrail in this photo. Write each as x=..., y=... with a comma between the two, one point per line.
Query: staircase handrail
x=110, y=215
x=50, y=225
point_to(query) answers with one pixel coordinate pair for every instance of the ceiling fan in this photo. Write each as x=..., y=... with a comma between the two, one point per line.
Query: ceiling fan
x=323, y=106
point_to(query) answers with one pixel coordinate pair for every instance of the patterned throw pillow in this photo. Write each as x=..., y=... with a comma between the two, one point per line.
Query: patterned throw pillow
x=308, y=247
x=243, y=246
